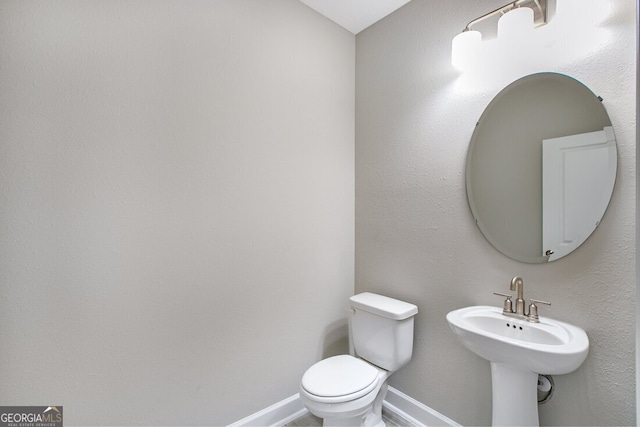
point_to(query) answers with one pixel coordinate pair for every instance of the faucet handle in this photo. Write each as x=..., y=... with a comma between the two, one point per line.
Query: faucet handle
x=508, y=304
x=533, y=310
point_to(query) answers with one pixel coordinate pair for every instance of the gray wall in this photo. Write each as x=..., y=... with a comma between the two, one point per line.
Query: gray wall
x=415, y=236
x=637, y=210
x=176, y=205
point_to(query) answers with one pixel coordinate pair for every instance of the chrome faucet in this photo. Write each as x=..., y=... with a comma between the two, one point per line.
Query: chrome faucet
x=517, y=284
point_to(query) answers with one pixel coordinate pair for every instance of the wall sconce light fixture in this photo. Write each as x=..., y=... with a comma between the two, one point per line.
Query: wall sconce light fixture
x=515, y=21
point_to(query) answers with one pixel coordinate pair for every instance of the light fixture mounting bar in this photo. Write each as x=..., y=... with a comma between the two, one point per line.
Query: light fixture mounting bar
x=539, y=8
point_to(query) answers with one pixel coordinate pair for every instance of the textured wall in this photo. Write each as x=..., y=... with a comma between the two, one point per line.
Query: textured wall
x=176, y=205
x=415, y=237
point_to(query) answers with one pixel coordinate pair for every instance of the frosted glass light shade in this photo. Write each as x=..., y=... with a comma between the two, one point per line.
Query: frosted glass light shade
x=464, y=47
x=515, y=23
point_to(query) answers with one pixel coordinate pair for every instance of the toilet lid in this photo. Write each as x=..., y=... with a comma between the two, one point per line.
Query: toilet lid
x=338, y=376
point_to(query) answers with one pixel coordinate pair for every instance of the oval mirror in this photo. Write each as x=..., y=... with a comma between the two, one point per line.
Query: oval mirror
x=541, y=167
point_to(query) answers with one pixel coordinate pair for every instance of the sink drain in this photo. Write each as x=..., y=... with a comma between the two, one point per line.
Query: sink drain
x=545, y=388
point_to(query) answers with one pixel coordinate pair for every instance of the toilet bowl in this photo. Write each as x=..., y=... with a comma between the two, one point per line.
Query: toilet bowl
x=348, y=390
x=345, y=391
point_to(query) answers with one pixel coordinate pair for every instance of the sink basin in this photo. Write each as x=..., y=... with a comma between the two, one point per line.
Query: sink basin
x=518, y=350
x=549, y=347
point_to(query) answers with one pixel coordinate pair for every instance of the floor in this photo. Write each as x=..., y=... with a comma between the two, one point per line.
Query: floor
x=310, y=420
x=305, y=421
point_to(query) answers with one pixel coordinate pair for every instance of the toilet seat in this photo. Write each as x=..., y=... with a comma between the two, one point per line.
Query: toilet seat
x=340, y=379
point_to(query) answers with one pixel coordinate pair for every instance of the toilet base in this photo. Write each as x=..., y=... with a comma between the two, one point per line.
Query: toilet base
x=371, y=417
x=370, y=420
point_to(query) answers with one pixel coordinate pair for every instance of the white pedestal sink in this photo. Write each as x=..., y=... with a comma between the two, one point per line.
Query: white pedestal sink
x=518, y=350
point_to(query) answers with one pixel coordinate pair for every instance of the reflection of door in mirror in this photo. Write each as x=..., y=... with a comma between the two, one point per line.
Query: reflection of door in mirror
x=578, y=174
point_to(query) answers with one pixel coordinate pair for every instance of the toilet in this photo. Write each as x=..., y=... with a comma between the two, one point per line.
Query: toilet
x=348, y=390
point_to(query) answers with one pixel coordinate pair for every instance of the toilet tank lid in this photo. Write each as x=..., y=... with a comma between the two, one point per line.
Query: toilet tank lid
x=383, y=306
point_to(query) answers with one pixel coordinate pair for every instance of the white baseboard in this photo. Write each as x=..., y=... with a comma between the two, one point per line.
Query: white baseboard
x=398, y=407
x=405, y=410
x=276, y=415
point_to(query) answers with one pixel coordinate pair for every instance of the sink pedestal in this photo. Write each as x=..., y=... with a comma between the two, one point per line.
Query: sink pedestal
x=515, y=396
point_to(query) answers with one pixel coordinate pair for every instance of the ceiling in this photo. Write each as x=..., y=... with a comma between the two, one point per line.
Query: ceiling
x=355, y=15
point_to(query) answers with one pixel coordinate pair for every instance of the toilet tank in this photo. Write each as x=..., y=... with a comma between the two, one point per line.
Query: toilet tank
x=382, y=330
